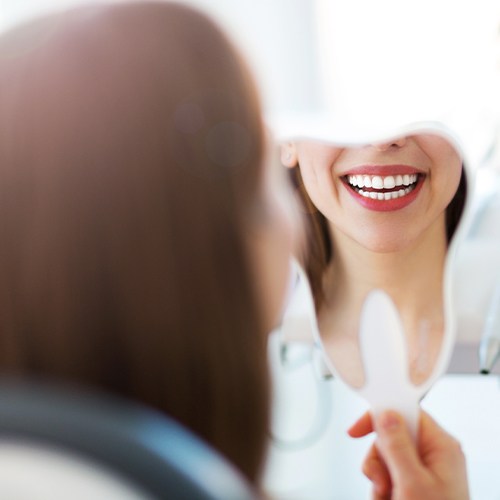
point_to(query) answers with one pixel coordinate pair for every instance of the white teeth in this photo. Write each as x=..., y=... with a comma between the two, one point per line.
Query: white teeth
x=382, y=182
x=386, y=196
x=405, y=182
x=389, y=182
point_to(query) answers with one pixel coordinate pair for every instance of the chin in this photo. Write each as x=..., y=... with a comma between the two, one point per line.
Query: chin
x=385, y=243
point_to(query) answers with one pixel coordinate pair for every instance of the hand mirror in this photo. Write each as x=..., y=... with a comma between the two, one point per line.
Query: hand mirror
x=382, y=218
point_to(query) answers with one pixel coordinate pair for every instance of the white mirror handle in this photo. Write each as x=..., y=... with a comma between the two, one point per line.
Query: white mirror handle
x=385, y=360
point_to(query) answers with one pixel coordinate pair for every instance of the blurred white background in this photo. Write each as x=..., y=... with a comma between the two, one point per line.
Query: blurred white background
x=363, y=60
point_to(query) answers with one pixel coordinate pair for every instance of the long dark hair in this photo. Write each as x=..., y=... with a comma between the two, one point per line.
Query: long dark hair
x=131, y=146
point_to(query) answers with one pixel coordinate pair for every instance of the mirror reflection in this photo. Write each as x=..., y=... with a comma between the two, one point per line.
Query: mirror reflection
x=379, y=215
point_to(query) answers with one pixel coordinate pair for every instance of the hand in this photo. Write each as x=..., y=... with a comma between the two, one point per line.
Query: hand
x=400, y=470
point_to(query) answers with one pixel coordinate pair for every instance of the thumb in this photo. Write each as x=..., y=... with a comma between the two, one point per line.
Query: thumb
x=397, y=448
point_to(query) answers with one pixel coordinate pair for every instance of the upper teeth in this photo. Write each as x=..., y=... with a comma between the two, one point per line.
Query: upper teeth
x=379, y=182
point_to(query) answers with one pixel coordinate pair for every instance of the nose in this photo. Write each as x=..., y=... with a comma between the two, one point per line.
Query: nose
x=392, y=144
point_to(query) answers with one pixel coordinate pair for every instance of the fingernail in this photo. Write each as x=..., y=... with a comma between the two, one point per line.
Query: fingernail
x=389, y=421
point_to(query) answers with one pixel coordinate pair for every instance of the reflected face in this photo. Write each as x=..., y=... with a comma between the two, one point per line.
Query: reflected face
x=383, y=196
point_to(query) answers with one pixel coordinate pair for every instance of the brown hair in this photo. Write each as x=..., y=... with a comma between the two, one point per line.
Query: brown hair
x=131, y=145
x=319, y=251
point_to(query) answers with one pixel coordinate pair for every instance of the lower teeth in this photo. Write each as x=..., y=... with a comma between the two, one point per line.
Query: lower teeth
x=389, y=195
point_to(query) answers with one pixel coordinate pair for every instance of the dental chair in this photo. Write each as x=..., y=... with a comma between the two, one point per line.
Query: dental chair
x=62, y=444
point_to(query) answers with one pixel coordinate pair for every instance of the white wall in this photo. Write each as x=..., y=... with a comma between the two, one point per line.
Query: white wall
x=278, y=38
x=361, y=59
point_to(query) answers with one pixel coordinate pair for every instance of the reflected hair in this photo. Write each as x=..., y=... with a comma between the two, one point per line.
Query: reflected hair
x=131, y=150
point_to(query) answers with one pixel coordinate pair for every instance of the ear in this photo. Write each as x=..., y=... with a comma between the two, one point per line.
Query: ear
x=288, y=154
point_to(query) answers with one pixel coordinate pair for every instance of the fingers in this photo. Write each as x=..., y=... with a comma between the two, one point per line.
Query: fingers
x=397, y=448
x=433, y=437
x=362, y=427
x=430, y=435
x=376, y=471
x=376, y=496
x=396, y=467
x=373, y=466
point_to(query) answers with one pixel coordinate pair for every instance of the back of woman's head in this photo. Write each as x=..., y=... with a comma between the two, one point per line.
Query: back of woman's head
x=130, y=152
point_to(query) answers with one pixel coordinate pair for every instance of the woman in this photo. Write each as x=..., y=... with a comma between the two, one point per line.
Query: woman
x=145, y=232
x=381, y=216
x=132, y=164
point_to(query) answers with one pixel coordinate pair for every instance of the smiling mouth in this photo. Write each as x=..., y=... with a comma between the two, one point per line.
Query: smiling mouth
x=377, y=187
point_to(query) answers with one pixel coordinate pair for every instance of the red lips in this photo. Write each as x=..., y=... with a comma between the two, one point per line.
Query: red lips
x=400, y=195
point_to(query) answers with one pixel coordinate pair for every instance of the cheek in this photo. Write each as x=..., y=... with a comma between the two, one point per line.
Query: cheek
x=449, y=183
x=318, y=187
x=272, y=245
x=317, y=169
x=287, y=238
x=318, y=164
x=272, y=254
